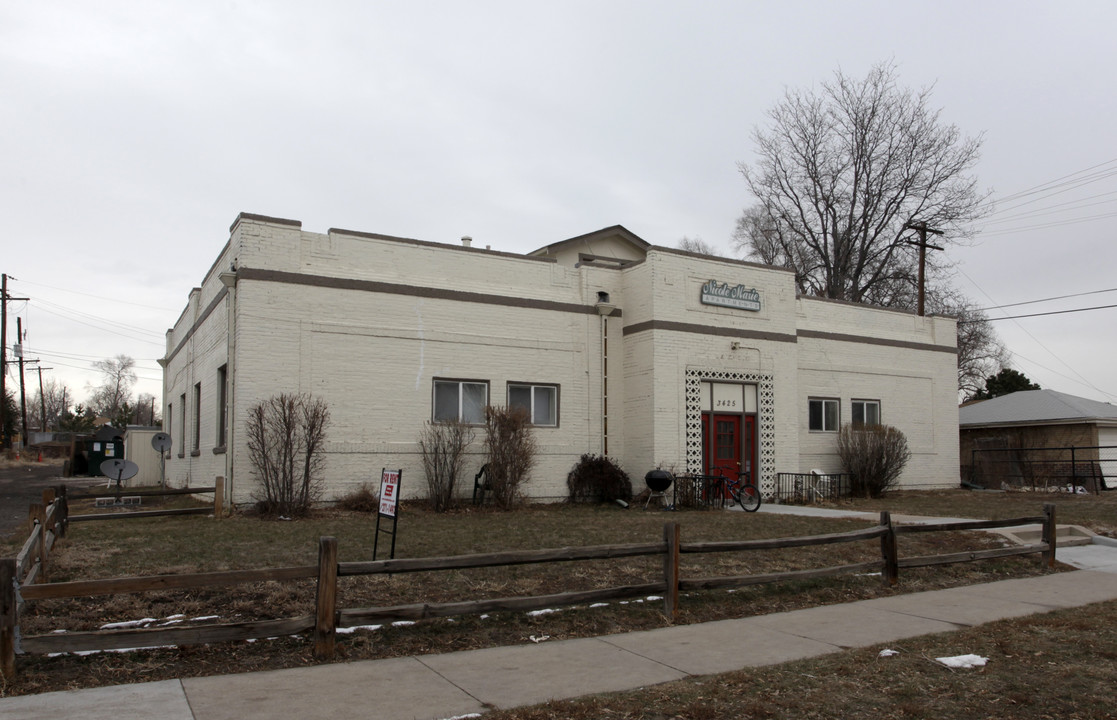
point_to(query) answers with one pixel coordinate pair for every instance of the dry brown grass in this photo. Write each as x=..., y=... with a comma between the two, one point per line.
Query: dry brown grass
x=143, y=547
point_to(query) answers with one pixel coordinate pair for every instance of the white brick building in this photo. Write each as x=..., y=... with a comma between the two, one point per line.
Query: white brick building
x=648, y=354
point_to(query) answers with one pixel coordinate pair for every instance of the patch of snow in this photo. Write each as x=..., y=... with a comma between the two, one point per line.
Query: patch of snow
x=176, y=616
x=83, y=653
x=170, y=622
x=888, y=653
x=202, y=618
x=544, y=611
x=963, y=661
x=355, y=628
x=599, y=605
x=653, y=598
x=403, y=623
x=128, y=624
x=539, y=639
x=464, y=717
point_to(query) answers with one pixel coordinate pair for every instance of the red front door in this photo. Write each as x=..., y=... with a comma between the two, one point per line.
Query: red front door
x=723, y=444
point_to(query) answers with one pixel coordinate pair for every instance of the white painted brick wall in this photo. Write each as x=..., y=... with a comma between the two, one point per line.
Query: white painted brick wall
x=373, y=355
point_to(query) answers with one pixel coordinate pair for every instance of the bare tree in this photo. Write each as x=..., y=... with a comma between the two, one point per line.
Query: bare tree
x=874, y=456
x=980, y=351
x=442, y=446
x=115, y=390
x=512, y=452
x=286, y=437
x=146, y=411
x=697, y=245
x=48, y=404
x=842, y=172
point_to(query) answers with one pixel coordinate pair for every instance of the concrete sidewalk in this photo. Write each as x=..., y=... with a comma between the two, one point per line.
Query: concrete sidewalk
x=462, y=683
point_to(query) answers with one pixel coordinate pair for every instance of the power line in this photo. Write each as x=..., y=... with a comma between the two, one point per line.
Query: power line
x=98, y=297
x=1037, y=341
x=1053, y=312
x=1033, y=302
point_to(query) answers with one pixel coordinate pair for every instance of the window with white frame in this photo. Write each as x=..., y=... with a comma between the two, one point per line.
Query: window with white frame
x=463, y=400
x=540, y=401
x=865, y=412
x=823, y=415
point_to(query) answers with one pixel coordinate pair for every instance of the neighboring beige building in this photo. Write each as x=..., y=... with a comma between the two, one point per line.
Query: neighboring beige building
x=648, y=354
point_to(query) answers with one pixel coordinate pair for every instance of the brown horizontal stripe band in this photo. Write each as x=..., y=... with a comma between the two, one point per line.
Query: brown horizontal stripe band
x=906, y=344
x=378, y=286
x=198, y=323
x=779, y=337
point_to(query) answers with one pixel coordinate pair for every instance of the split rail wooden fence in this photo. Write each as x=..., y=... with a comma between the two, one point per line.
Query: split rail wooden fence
x=323, y=624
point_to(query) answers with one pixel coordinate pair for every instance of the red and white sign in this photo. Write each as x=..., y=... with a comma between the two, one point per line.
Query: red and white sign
x=389, y=492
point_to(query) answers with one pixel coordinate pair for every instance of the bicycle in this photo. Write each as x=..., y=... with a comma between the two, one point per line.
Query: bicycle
x=742, y=489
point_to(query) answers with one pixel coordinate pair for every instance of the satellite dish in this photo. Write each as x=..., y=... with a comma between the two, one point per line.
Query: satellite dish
x=161, y=441
x=119, y=469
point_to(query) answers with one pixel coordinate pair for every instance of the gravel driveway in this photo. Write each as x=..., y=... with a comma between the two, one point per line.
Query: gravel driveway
x=22, y=484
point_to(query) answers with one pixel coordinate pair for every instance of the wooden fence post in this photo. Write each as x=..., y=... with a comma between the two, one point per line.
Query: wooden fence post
x=671, y=533
x=48, y=496
x=8, y=618
x=1049, y=534
x=218, y=497
x=890, y=556
x=325, y=623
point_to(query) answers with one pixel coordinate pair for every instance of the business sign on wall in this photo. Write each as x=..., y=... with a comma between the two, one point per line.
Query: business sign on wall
x=733, y=296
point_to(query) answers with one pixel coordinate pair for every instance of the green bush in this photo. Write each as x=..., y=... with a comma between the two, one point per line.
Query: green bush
x=597, y=478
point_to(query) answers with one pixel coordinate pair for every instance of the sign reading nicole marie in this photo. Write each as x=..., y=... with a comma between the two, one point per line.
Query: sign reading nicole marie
x=733, y=296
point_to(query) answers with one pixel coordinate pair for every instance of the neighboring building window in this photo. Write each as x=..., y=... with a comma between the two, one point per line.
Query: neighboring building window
x=197, y=417
x=541, y=402
x=866, y=412
x=463, y=400
x=823, y=414
x=222, y=397
x=182, y=425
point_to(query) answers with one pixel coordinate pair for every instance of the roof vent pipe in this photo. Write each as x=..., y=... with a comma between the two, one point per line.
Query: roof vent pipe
x=466, y=241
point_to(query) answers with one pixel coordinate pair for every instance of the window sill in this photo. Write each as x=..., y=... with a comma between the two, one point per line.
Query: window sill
x=181, y=455
x=219, y=450
x=196, y=453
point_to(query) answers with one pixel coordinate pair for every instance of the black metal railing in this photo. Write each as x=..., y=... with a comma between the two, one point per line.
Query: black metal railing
x=1073, y=469
x=807, y=488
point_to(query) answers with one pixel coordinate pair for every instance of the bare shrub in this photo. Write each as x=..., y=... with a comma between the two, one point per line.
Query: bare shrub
x=442, y=446
x=363, y=499
x=512, y=450
x=874, y=456
x=286, y=437
x=597, y=478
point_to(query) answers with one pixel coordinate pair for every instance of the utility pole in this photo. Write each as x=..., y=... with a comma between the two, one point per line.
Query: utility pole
x=42, y=401
x=5, y=438
x=22, y=388
x=923, y=246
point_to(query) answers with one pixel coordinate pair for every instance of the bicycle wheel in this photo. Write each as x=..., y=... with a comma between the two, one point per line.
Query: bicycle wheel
x=748, y=498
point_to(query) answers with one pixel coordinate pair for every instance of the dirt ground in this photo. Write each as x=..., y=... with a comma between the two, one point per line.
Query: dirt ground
x=22, y=483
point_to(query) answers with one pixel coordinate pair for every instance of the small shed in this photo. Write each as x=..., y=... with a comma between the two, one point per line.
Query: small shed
x=138, y=449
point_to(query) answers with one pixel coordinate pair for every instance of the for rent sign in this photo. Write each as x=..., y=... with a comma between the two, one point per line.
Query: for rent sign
x=389, y=492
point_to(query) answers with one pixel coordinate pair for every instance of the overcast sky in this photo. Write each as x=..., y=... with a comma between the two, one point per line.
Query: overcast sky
x=133, y=133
